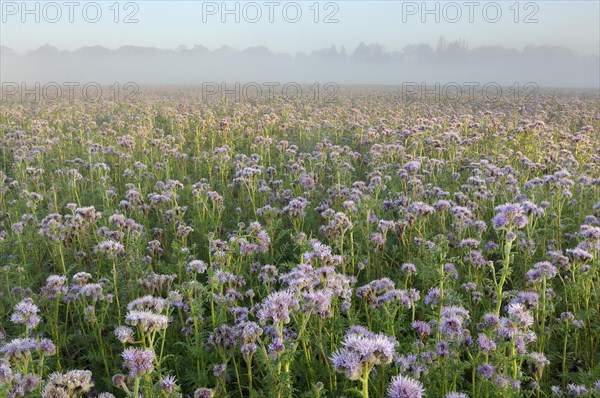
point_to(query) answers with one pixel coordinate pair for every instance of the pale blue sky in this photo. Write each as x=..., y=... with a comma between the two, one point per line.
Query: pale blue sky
x=163, y=24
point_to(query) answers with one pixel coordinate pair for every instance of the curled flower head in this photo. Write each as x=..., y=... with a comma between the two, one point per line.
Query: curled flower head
x=575, y=390
x=204, y=393
x=197, y=266
x=25, y=313
x=139, y=362
x=538, y=361
x=147, y=321
x=363, y=349
x=70, y=384
x=55, y=286
x=110, y=248
x=278, y=307
x=508, y=216
x=541, y=270
x=23, y=348
x=124, y=334
x=6, y=374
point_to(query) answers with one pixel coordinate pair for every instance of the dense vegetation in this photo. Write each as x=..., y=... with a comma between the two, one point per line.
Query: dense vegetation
x=168, y=247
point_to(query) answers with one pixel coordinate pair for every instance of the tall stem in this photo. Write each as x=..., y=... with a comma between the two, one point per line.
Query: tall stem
x=365, y=381
x=114, y=267
x=505, y=270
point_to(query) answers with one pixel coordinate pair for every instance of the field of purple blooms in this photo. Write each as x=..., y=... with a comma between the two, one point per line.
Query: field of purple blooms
x=171, y=247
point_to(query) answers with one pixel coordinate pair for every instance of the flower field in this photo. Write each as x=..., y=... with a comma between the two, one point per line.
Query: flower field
x=172, y=247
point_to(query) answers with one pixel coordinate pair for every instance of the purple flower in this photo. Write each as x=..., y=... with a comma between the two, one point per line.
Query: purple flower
x=520, y=314
x=219, y=370
x=296, y=207
x=382, y=291
x=451, y=326
x=502, y=381
x=110, y=248
x=452, y=321
x=363, y=349
x=72, y=383
x=26, y=314
x=22, y=348
x=404, y=387
x=486, y=344
x=529, y=299
x=413, y=364
x=24, y=385
x=124, y=334
x=476, y=258
x=567, y=317
x=6, y=374
x=47, y=347
x=575, y=390
x=409, y=268
x=538, y=362
x=198, y=266
x=147, y=321
x=168, y=384
x=442, y=349
x=55, y=286
x=276, y=348
x=433, y=297
x=422, y=328
x=278, y=307
x=412, y=166
x=420, y=209
x=485, y=370
x=541, y=270
x=508, y=216
x=139, y=362
x=204, y=393
x=348, y=362
x=148, y=303
x=580, y=254
x=222, y=337
x=318, y=302
x=508, y=329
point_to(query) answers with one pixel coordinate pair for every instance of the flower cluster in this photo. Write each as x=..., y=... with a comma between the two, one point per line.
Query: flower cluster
x=361, y=351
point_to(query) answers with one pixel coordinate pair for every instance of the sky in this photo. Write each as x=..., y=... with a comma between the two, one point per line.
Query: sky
x=302, y=26
x=549, y=43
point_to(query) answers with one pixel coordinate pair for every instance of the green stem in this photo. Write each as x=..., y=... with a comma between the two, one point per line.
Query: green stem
x=114, y=267
x=505, y=271
x=365, y=381
x=136, y=387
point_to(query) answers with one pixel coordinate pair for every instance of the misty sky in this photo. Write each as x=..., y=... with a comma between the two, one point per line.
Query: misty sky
x=550, y=43
x=393, y=24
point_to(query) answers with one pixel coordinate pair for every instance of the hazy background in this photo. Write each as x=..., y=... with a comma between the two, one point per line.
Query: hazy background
x=551, y=43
